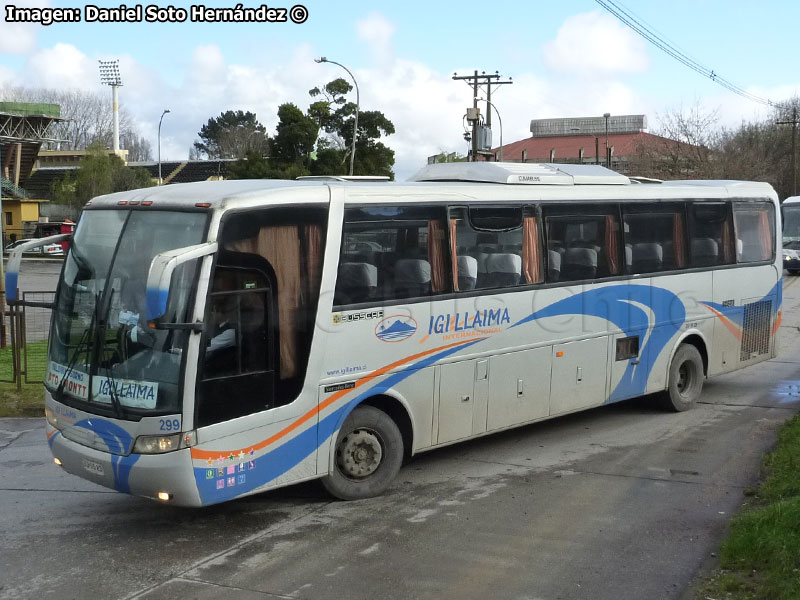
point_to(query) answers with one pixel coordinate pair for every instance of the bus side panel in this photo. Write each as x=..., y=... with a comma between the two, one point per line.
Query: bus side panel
x=688, y=313
x=250, y=454
x=745, y=305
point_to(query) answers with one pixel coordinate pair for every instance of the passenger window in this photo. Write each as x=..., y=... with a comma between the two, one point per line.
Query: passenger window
x=391, y=253
x=582, y=247
x=710, y=234
x=494, y=247
x=755, y=231
x=654, y=241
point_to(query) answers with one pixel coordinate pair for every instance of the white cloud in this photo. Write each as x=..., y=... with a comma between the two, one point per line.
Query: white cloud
x=595, y=43
x=62, y=66
x=19, y=38
x=377, y=31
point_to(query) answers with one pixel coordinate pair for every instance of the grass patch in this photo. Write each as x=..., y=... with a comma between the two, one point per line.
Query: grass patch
x=761, y=557
x=29, y=401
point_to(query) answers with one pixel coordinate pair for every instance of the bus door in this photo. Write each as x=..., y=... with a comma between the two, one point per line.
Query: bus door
x=238, y=372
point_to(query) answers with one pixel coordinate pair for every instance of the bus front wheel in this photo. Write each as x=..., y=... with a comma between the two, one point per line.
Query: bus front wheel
x=368, y=455
x=685, y=379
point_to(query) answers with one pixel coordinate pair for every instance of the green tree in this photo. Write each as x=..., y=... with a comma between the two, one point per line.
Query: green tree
x=99, y=173
x=295, y=138
x=231, y=135
x=336, y=117
x=252, y=166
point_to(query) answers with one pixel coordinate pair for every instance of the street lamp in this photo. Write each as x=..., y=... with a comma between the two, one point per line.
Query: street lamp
x=109, y=75
x=358, y=97
x=500, y=158
x=166, y=110
x=608, y=158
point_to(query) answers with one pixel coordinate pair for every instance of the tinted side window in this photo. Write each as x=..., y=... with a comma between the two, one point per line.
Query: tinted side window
x=710, y=234
x=654, y=241
x=494, y=247
x=755, y=231
x=392, y=253
x=582, y=246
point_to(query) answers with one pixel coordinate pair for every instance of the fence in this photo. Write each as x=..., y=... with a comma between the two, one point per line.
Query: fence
x=28, y=327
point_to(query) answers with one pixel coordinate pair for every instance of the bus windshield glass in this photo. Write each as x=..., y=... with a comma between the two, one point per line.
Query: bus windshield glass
x=102, y=354
x=791, y=226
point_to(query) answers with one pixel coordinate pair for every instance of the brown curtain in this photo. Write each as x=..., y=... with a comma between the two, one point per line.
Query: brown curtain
x=314, y=248
x=678, y=241
x=612, y=245
x=454, y=252
x=436, y=256
x=531, y=265
x=727, y=242
x=765, y=234
x=280, y=245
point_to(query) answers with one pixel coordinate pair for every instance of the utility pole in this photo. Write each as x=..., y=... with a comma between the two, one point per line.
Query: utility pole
x=793, y=123
x=474, y=80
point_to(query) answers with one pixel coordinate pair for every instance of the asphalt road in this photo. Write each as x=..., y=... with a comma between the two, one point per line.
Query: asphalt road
x=620, y=502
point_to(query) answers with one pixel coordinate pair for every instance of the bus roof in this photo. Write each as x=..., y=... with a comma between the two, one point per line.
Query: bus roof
x=521, y=173
x=458, y=181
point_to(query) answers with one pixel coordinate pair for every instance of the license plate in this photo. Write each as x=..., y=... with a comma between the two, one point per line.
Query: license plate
x=93, y=467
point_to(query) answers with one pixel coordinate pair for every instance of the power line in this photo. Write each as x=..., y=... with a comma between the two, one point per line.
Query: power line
x=628, y=19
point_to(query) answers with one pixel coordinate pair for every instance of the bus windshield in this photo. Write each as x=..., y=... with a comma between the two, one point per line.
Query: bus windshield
x=102, y=355
x=791, y=226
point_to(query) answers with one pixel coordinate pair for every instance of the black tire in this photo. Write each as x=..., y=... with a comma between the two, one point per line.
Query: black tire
x=367, y=455
x=793, y=271
x=685, y=379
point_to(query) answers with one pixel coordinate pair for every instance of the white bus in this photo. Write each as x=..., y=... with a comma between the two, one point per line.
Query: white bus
x=215, y=340
x=791, y=234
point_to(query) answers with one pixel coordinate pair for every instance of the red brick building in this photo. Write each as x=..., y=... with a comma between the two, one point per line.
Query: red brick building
x=583, y=141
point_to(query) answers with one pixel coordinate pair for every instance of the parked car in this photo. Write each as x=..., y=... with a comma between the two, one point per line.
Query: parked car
x=48, y=250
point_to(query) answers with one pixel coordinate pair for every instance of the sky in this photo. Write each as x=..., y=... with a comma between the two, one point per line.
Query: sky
x=566, y=59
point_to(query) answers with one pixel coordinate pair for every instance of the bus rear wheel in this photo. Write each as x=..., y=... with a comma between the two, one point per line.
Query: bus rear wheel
x=685, y=379
x=368, y=455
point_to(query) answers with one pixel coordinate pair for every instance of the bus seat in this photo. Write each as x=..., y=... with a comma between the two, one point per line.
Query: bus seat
x=481, y=258
x=668, y=255
x=504, y=269
x=412, y=278
x=628, y=258
x=467, y=273
x=580, y=263
x=357, y=282
x=705, y=252
x=647, y=257
x=553, y=265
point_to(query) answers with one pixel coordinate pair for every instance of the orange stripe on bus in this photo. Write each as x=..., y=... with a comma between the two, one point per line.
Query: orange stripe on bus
x=212, y=454
x=725, y=321
x=777, y=322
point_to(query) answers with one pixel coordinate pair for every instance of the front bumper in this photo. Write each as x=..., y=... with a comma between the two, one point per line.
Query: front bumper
x=139, y=474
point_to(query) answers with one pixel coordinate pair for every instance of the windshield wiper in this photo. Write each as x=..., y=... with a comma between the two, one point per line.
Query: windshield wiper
x=112, y=393
x=84, y=341
x=58, y=392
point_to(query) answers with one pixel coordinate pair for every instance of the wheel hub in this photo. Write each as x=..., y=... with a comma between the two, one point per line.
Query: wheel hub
x=359, y=454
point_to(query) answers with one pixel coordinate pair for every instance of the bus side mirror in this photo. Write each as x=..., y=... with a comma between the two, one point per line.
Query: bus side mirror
x=15, y=260
x=160, y=275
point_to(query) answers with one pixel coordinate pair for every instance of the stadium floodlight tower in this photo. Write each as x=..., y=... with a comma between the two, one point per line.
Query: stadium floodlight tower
x=109, y=75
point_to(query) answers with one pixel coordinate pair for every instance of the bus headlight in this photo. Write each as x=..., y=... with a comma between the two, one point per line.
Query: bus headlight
x=51, y=418
x=156, y=444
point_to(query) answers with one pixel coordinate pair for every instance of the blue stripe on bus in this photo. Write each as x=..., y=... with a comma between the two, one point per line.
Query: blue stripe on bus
x=282, y=459
x=117, y=440
x=611, y=303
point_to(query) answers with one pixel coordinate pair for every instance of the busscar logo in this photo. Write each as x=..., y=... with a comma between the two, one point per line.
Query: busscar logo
x=396, y=328
x=339, y=318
